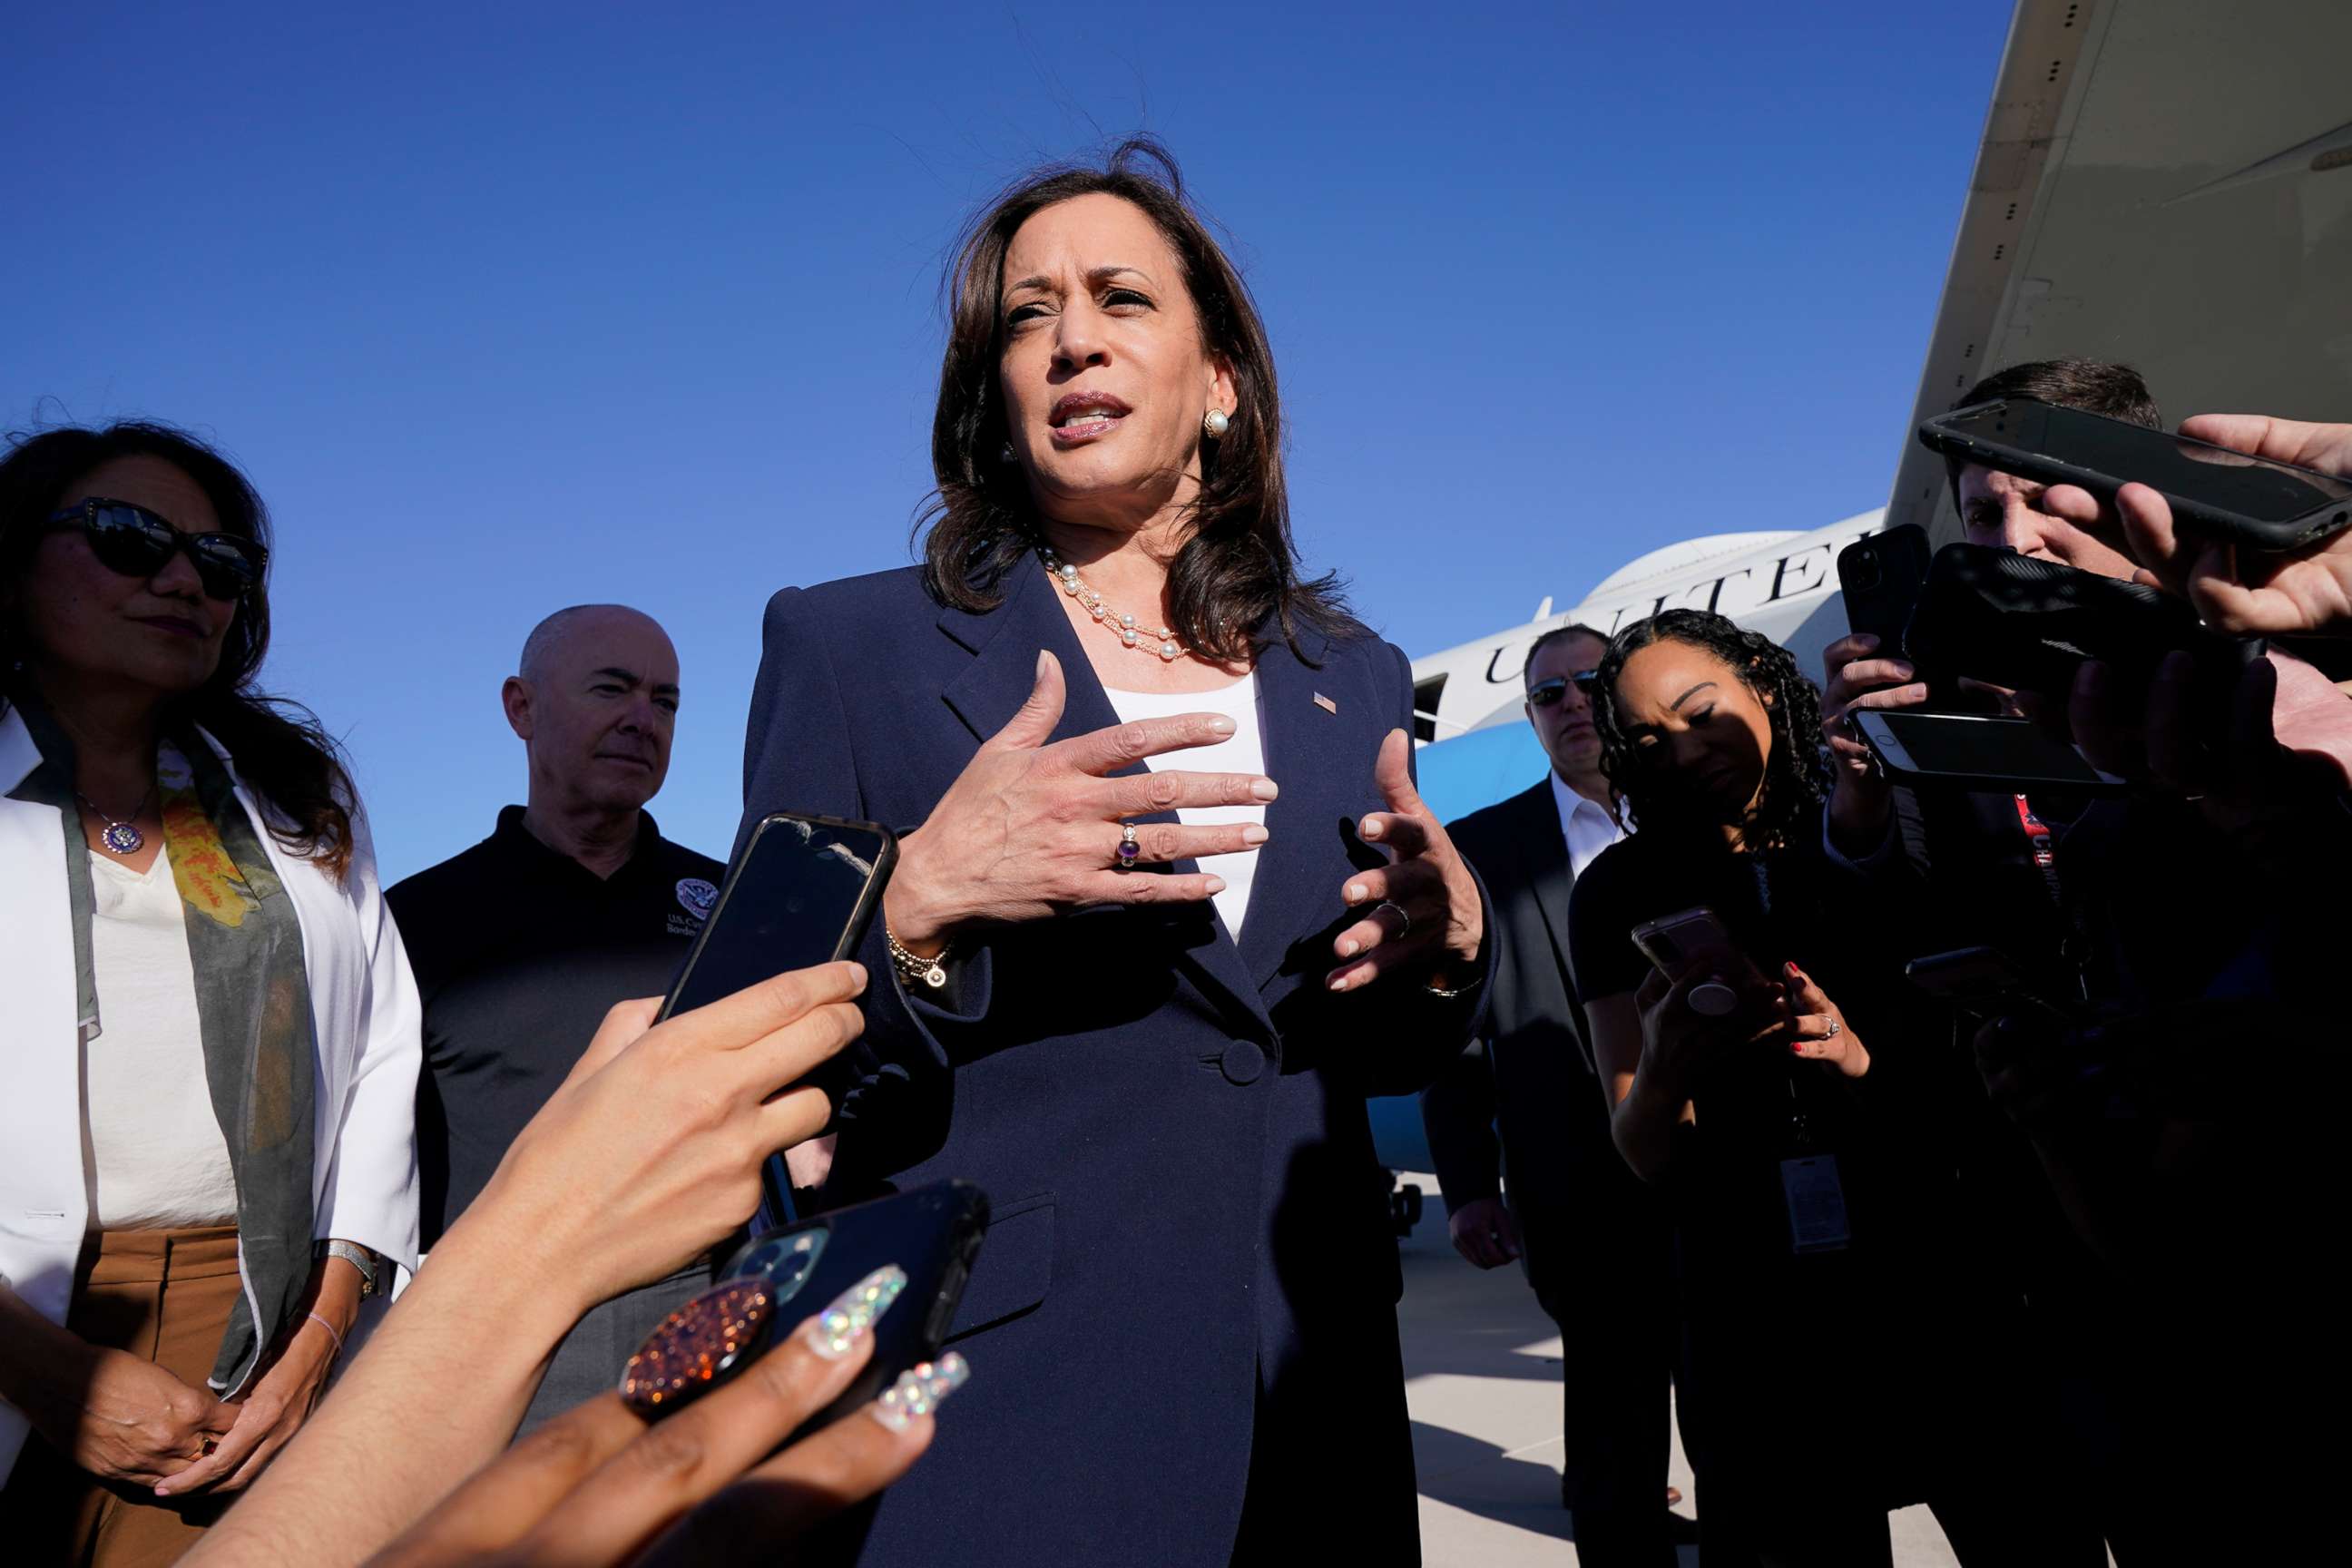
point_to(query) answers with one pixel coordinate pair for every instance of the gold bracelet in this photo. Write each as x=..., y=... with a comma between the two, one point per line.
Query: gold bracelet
x=911, y=968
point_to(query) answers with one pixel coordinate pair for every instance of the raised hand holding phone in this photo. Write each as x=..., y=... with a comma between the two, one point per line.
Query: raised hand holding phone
x=2245, y=592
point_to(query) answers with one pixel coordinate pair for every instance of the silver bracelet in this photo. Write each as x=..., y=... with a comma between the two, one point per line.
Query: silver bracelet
x=330, y=1332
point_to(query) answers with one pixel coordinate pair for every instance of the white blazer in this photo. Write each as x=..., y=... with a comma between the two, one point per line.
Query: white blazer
x=367, y=1030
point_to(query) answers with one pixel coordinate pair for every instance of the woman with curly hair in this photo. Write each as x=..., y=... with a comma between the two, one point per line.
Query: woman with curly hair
x=1799, y=1106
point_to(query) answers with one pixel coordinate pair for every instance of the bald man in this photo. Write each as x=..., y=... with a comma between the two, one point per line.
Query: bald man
x=521, y=942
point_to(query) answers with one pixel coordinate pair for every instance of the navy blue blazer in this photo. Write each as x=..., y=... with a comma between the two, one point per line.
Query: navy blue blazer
x=1187, y=1292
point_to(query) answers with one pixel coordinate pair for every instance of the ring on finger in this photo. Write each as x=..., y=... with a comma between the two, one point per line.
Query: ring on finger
x=1128, y=850
x=1404, y=920
x=1835, y=1029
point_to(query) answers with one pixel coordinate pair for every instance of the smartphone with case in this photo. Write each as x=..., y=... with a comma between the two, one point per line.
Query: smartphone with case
x=781, y=1278
x=2253, y=501
x=802, y=893
x=2030, y=625
x=1985, y=980
x=1964, y=750
x=1672, y=941
x=1880, y=578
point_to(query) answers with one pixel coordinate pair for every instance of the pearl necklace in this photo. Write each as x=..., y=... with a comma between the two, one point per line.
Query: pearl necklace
x=1162, y=642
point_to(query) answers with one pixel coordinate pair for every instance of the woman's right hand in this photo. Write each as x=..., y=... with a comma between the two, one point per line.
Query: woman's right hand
x=1680, y=1044
x=1031, y=828
x=649, y=1152
x=135, y=1422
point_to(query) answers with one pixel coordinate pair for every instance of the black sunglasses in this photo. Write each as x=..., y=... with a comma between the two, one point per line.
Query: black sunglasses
x=1544, y=693
x=136, y=542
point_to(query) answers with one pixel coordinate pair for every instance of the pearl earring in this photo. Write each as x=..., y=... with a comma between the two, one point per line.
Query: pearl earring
x=1215, y=424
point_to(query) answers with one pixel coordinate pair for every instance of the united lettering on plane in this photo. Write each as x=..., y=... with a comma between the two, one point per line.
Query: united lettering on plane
x=1796, y=575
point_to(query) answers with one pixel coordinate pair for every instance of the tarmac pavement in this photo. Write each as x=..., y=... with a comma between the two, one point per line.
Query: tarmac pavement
x=1481, y=1379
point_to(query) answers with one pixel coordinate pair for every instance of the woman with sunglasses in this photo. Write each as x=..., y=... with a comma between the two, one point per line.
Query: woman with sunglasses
x=206, y=1146
x=1851, y=1349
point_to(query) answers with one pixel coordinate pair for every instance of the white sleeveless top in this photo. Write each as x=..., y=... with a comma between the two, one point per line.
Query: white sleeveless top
x=1243, y=752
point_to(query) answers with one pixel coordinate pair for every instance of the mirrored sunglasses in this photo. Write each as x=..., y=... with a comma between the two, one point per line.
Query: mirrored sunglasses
x=1544, y=693
x=136, y=544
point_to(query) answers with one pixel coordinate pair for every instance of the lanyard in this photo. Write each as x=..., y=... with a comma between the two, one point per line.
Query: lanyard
x=2038, y=836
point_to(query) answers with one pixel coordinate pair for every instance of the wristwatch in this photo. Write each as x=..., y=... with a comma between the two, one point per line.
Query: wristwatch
x=359, y=1258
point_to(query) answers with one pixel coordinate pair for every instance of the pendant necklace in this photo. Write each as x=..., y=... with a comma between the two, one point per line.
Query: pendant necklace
x=120, y=834
x=1161, y=642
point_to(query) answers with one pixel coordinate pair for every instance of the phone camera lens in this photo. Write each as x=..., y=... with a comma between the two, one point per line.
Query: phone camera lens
x=1865, y=573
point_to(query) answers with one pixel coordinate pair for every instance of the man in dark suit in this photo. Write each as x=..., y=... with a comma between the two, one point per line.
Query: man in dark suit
x=1553, y=1190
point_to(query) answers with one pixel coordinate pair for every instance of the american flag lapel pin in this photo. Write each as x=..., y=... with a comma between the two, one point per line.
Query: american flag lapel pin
x=1325, y=704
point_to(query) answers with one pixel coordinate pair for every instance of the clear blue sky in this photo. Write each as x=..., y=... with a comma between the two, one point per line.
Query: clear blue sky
x=509, y=307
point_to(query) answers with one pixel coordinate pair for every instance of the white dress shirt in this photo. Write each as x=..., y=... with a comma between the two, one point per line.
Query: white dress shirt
x=1588, y=828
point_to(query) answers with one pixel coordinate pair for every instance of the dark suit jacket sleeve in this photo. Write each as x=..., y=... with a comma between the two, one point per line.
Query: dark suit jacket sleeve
x=1457, y=1112
x=799, y=755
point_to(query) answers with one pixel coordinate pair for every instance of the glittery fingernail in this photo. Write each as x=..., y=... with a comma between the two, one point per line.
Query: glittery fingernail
x=689, y=1348
x=834, y=1332
x=919, y=1390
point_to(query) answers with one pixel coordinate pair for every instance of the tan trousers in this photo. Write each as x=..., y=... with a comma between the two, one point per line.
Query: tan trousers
x=165, y=1296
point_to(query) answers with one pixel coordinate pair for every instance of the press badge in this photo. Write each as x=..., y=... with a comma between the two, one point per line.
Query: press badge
x=1816, y=1204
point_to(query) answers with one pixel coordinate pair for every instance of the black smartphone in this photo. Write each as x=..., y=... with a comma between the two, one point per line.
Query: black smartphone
x=780, y=1277
x=1880, y=578
x=802, y=893
x=2249, y=501
x=1964, y=749
x=2030, y=625
x=1986, y=980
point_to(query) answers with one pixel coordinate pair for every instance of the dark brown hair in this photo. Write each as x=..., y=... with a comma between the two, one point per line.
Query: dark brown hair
x=282, y=751
x=1797, y=774
x=1239, y=566
x=2094, y=387
x=1559, y=634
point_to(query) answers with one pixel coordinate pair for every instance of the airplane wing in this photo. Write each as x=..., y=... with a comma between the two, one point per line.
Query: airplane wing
x=2166, y=184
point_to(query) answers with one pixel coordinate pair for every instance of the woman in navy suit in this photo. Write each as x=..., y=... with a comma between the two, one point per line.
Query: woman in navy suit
x=1167, y=909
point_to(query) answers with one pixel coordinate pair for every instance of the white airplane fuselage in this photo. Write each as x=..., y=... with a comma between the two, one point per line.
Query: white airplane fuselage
x=1782, y=584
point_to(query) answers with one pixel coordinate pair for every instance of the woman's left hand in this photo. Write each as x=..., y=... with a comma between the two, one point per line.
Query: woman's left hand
x=598, y=1485
x=1423, y=909
x=1818, y=1030
x=268, y=1414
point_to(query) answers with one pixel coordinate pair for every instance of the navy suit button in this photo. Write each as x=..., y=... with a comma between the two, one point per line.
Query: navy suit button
x=1241, y=1062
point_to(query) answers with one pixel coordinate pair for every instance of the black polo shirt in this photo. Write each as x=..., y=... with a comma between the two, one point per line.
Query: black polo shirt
x=519, y=952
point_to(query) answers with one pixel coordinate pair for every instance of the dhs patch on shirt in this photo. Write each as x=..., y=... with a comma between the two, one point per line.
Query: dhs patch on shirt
x=698, y=898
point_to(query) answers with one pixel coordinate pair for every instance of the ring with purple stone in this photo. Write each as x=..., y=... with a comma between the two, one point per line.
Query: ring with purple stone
x=1128, y=850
